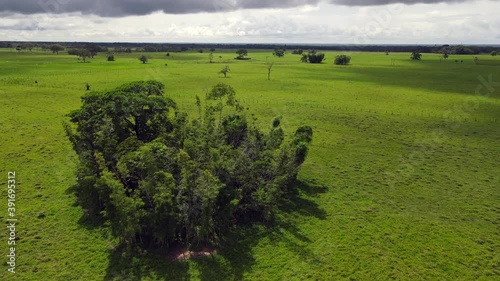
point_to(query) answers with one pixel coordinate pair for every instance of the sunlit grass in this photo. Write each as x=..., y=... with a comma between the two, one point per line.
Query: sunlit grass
x=401, y=180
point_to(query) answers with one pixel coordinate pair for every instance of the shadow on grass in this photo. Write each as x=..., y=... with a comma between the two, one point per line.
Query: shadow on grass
x=235, y=257
x=133, y=264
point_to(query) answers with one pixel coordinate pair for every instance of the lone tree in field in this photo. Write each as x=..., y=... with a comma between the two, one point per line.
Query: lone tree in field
x=342, y=60
x=211, y=57
x=110, y=57
x=158, y=178
x=56, y=49
x=242, y=53
x=143, y=58
x=416, y=56
x=269, y=67
x=225, y=71
x=494, y=53
x=445, y=55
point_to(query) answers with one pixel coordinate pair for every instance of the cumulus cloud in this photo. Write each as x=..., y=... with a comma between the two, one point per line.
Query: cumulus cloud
x=118, y=8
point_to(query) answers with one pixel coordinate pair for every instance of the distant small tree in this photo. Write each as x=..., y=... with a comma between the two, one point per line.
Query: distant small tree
x=168, y=54
x=297, y=52
x=225, y=71
x=445, y=55
x=476, y=60
x=84, y=54
x=56, y=49
x=342, y=60
x=304, y=58
x=494, y=53
x=211, y=57
x=94, y=49
x=111, y=57
x=278, y=52
x=200, y=51
x=28, y=46
x=415, y=56
x=143, y=58
x=241, y=53
x=224, y=95
x=386, y=53
x=269, y=67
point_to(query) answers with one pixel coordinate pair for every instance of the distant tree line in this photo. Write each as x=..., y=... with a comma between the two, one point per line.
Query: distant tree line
x=160, y=178
x=176, y=47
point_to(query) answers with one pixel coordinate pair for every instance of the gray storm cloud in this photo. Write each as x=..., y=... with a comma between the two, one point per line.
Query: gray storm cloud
x=385, y=2
x=117, y=8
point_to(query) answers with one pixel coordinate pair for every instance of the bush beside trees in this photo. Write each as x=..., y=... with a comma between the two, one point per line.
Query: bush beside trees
x=342, y=60
x=160, y=178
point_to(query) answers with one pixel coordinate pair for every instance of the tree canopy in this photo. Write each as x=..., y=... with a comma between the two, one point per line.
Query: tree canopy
x=242, y=53
x=313, y=57
x=415, y=55
x=342, y=60
x=159, y=177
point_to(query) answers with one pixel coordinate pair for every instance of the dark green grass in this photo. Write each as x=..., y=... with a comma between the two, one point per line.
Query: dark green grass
x=401, y=180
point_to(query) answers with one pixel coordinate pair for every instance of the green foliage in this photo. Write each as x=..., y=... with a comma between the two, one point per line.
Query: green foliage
x=342, y=60
x=494, y=53
x=242, y=53
x=279, y=52
x=56, y=48
x=416, y=56
x=224, y=70
x=313, y=57
x=155, y=175
x=143, y=59
x=81, y=53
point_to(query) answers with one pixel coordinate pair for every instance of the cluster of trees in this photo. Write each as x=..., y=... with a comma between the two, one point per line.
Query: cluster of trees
x=158, y=177
x=56, y=48
x=81, y=53
x=456, y=50
x=313, y=56
x=87, y=51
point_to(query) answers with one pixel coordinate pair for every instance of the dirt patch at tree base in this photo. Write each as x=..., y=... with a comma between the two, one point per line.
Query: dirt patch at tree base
x=182, y=254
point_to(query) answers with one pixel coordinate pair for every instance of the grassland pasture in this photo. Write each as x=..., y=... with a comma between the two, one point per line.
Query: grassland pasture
x=402, y=179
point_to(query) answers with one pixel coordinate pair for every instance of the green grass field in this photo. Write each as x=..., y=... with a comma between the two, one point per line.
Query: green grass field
x=402, y=179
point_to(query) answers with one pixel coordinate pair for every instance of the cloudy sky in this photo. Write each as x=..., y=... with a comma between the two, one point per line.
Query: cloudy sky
x=253, y=21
